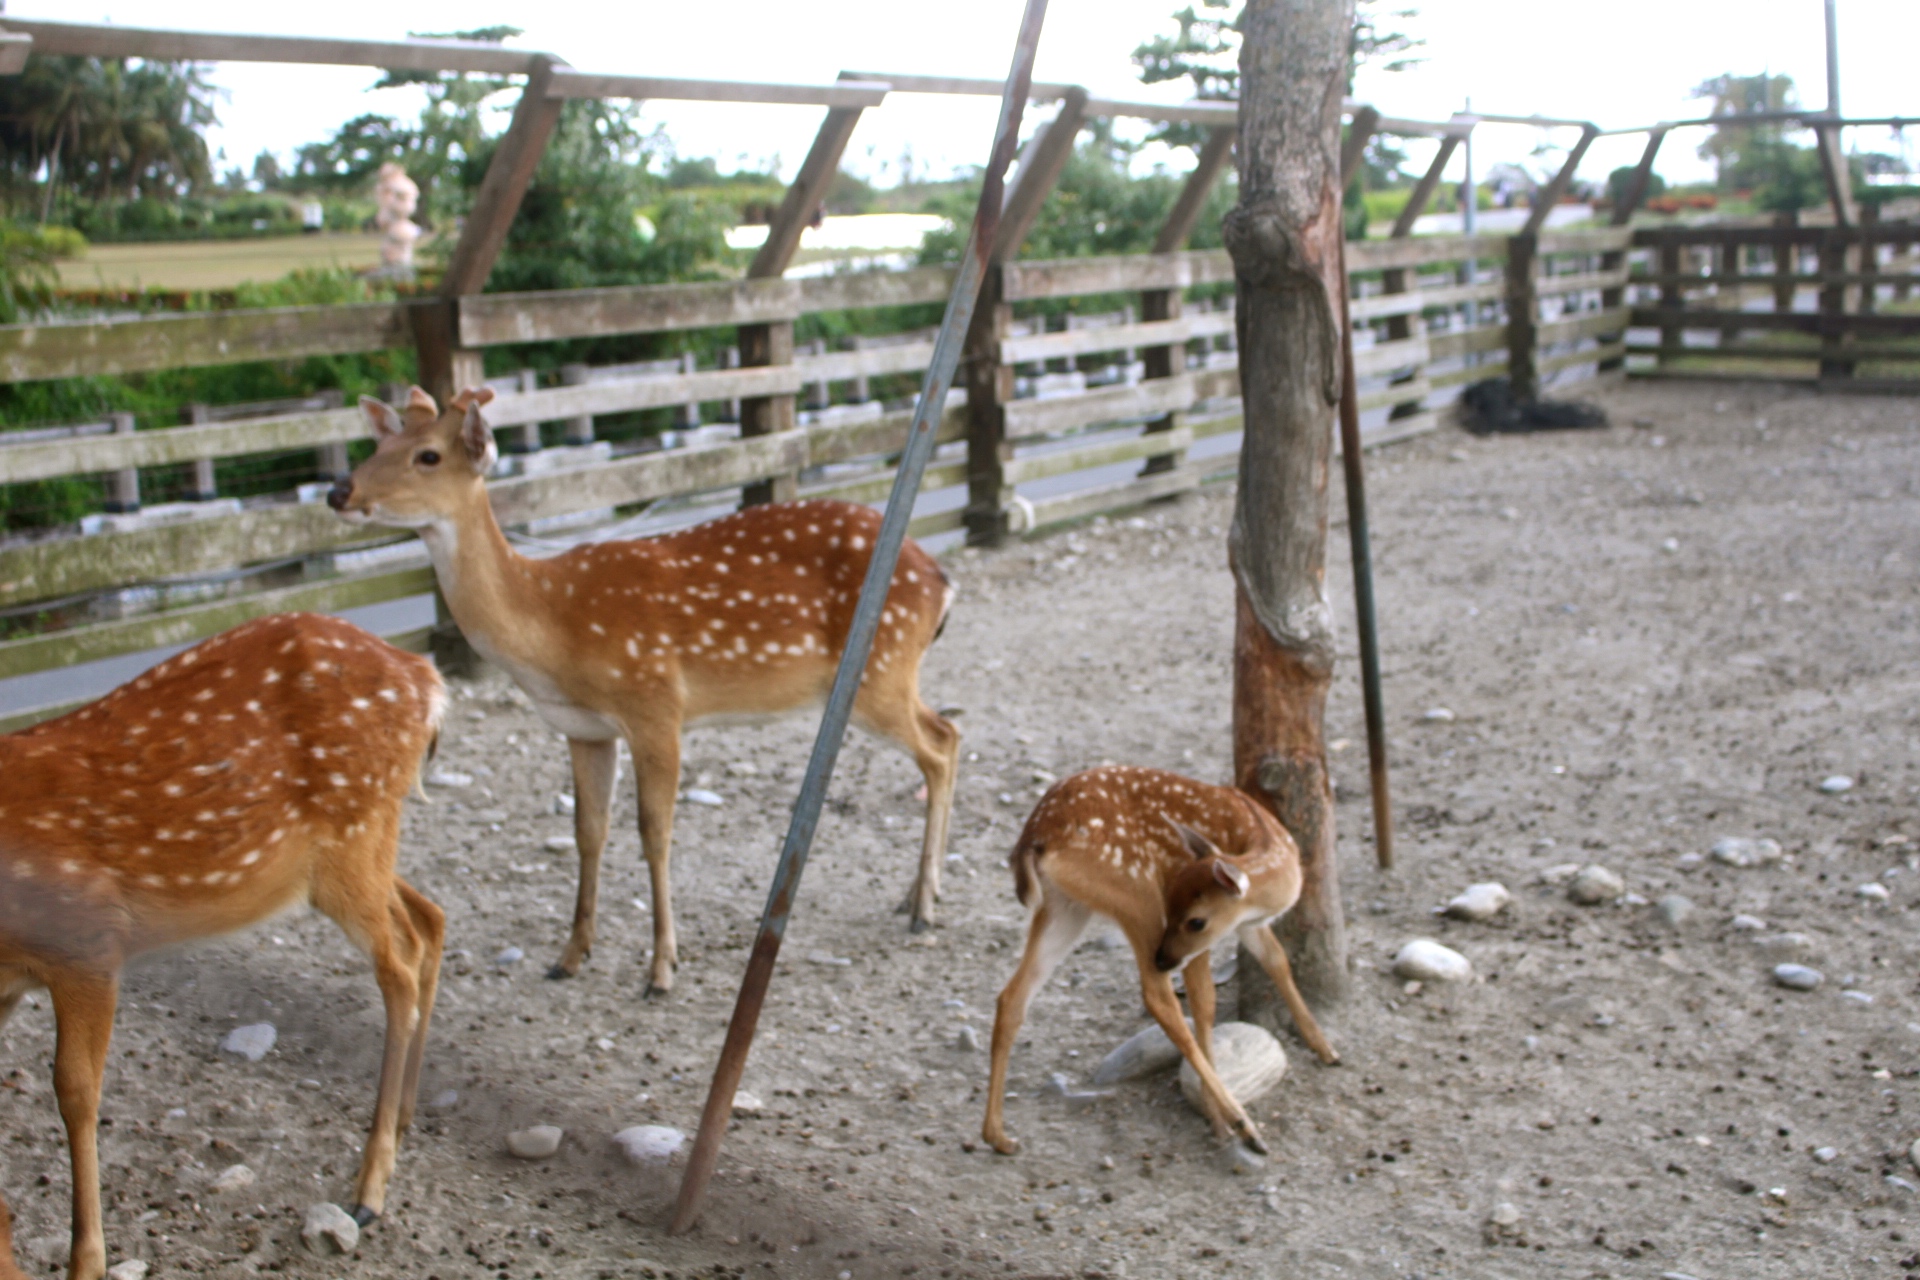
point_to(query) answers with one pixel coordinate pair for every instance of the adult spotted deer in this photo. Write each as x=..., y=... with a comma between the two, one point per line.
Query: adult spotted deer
x=744, y=615
x=263, y=768
x=1178, y=865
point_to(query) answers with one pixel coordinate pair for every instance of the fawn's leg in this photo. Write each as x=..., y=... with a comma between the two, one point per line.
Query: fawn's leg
x=1157, y=989
x=596, y=769
x=1056, y=926
x=656, y=769
x=1273, y=958
x=430, y=922
x=83, y=1018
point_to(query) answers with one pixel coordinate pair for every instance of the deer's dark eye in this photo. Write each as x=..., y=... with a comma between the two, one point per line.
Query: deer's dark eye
x=1196, y=924
x=428, y=457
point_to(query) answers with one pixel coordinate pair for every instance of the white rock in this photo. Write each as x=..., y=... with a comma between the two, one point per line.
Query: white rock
x=536, y=1143
x=650, y=1143
x=449, y=778
x=1873, y=891
x=700, y=795
x=131, y=1269
x=1595, y=884
x=1559, y=874
x=743, y=769
x=1827, y=1155
x=967, y=1040
x=1438, y=715
x=251, y=1041
x=1240, y=1158
x=560, y=844
x=1743, y=851
x=1836, y=784
x=233, y=1178
x=445, y=1100
x=1248, y=1060
x=1748, y=924
x=1480, y=902
x=1673, y=910
x=509, y=955
x=1145, y=1053
x=1913, y=1153
x=563, y=803
x=747, y=1104
x=1797, y=977
x=329, y=1230
x=1858, y=997
x=828, y=958
x=1785, y=944
x=1424, y=960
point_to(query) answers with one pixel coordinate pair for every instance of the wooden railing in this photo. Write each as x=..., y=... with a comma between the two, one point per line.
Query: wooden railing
x=1099, y=393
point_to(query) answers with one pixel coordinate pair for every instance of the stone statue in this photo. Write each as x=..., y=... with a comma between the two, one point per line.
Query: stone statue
x=396, y=196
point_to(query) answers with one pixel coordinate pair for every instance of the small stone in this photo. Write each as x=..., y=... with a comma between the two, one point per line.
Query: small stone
x=828, y=958
x=1858, y=997
x=1557, y=875
x=1061, y=1085
x=508, y=956
x=1480, y=902
x=563, y=803
x=700, y=795
x=1873, y=891
x=1240, y=1158
x=1424, y=960
x=650, y=1143
x=1899, y=1183
x=1826, y=1155
x=1594, y=885
x=1748, y=924
x=1689, y=861
x=1797, y=977
x=1437, y=715
x=1248, y=1060
x=131, y=1269
x=1504, y=1218
x=560, y=844
x=251, y=1041
x=1913, y=1154
x=329, y=1230
x=495, y=816
x=449, y=778
x=1836, y=784
x=1673, y=910
x=743, y=769
x=1742, y=851
x=1146, y=1052
x=233, y=1178
x=967, y=1040
x=445, y=1100
x=537, y=1143
x=1670, y=545
x=1785, y=944
x=747, y=1104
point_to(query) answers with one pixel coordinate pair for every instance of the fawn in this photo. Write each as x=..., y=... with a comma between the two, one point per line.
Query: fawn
x=742, y=616
x=262, y=768
x=1178, y=865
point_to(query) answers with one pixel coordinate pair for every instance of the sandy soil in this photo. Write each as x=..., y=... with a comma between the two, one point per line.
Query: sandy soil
x=1649, y=637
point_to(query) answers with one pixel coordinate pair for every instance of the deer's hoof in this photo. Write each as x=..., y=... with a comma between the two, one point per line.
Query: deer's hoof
x=657, y=992
x=363, y=1216
x=1005, y=1146
x=920, y=924
x=558, y=972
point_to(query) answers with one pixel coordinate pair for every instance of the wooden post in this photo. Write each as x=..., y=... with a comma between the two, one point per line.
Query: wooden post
x=1786, y=263
x=1523, y=315
x=1551, y=194
x=204, y=488
x=579, y=429
x=1833, y=167
x=1834, y=244
x=123, y=488
x=1285, y=239
x=990, y=383
x=771, y=344
x=1396, y=279
x=1622, y=214
x=1868, y=254
x=1167, y=304
x=524, y=438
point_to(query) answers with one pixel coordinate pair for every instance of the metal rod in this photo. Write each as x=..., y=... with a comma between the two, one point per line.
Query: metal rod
x=1366, y=616
x=866, y=621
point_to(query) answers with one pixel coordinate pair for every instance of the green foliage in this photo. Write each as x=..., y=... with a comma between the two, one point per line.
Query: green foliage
x=27, y=255
x=1744, y=155
x=1620, y=179
x=1783, y=177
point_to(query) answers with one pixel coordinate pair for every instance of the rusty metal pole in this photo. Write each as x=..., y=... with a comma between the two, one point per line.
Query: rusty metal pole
x=1367, y=620
x=866, y=621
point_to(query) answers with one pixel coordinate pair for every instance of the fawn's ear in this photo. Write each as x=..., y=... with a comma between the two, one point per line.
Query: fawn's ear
x=381, y=417
x=1230, y=878
x=1196, y=844
x=477, y=438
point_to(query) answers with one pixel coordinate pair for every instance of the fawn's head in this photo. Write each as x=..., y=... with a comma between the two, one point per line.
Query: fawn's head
x=426, y=463
x=1203, y=902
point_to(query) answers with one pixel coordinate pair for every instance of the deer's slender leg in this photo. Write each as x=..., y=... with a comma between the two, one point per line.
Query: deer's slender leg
x=1273, y=958
x=656, y=768
x=1157, y=989
x=1055, y=928
x=83, y=1016
x=596, y=770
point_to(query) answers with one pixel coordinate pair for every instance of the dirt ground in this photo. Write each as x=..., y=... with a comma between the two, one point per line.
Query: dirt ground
x=1650, y=637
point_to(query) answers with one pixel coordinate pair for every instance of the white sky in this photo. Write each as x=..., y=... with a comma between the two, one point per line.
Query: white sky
x=1510, y=56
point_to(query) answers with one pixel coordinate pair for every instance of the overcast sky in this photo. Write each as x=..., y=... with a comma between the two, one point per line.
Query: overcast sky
x=1623, y=63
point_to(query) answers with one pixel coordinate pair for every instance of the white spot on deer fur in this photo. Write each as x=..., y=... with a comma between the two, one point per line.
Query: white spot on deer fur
x=633, y=647
x=272, y=677
x=596, y=628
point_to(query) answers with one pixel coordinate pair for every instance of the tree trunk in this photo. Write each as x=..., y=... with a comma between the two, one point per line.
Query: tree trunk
x=1284, y=236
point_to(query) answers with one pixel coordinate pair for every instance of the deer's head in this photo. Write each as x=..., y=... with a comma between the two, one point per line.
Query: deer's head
x=1204, y=901
x=427, y=463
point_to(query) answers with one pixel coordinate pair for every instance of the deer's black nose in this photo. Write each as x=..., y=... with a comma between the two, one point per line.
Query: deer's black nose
x=338, y=495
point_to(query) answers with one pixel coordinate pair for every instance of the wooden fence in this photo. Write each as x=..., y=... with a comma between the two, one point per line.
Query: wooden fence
x=1082, y=391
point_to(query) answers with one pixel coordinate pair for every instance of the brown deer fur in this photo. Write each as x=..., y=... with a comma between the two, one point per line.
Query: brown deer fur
x=745, y=615
x=1178, y=865
x=8, y=1271
x=263, y=768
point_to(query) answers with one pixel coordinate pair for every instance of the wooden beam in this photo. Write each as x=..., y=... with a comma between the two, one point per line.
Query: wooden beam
x=1423, y=190
x=14, y=48
x=804, y=197
x=1642, y=178
x=1543, y=204
x=1038, y=171
x=1119, y=273
x=958, y=85
x=1833, y=166
x=569, y=83
x=1360, y=131
x=1214, y=154
x=115, y=41
x=514, y=161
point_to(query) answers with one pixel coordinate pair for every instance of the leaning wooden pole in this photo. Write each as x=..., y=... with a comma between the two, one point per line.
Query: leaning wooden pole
x=1285, y=238
x=715, y=1117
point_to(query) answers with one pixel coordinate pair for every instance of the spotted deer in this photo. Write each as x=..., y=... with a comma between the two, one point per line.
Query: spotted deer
x=742, y=616
x=260, y=769
x=1178, y=865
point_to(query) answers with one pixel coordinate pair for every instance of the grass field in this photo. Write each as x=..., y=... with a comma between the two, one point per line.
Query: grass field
x=214, y=264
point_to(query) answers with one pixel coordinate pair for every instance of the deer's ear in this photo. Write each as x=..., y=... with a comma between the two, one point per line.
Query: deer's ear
x=1230, y=878
x=1196, y=844
x=477, y=437
x=381, y=417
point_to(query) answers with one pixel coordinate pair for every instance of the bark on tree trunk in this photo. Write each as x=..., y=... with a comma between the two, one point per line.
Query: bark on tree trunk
x=1284, y=236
